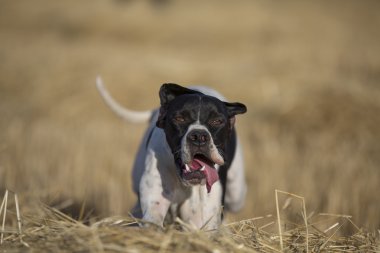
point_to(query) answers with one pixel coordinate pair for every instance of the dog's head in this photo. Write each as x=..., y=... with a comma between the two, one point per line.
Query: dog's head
x=197, y=128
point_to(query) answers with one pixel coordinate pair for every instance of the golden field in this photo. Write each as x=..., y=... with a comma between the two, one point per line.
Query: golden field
x=308, y=71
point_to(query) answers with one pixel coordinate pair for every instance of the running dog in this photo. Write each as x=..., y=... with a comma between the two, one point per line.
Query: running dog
x=189, y=163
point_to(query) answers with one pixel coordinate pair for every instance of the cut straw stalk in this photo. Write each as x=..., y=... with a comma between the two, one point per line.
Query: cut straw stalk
x=279, y=221
x=3, y=207
x=304, y=215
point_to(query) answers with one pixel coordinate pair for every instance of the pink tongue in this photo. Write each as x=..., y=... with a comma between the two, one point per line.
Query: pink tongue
x=210, y=172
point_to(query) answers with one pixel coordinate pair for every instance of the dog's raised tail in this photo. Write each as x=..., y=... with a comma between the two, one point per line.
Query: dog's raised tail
x=124, y=113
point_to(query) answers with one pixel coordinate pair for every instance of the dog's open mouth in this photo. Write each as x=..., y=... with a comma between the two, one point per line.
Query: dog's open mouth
x=198, y=169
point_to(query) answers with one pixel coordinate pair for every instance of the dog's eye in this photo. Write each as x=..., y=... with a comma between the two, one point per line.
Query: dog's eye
x=179, y=119
x=216, y=122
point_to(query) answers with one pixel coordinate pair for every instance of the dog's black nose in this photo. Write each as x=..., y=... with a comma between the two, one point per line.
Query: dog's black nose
x=198, y=137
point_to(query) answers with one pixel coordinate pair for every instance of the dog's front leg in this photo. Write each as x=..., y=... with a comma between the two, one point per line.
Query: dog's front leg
x=236, y=187
x=154, y=205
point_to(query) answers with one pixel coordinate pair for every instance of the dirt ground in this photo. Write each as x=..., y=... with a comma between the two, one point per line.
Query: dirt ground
x=309, y=72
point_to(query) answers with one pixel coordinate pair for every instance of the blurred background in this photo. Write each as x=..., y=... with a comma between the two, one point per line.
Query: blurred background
x=309, y=72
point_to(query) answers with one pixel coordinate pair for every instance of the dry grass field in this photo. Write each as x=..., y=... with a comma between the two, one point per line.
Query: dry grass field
x=309, y=72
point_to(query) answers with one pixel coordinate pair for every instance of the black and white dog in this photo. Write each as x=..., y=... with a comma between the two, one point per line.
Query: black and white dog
x=190, y=163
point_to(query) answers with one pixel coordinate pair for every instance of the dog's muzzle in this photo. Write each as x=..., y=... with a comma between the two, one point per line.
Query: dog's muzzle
x=199, y=158
x=198, y=138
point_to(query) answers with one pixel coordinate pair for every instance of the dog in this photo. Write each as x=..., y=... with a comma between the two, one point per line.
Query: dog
x=190, y=163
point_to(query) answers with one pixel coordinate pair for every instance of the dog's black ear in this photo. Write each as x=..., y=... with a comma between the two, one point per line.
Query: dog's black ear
x=234, y=109
x=168, y=92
